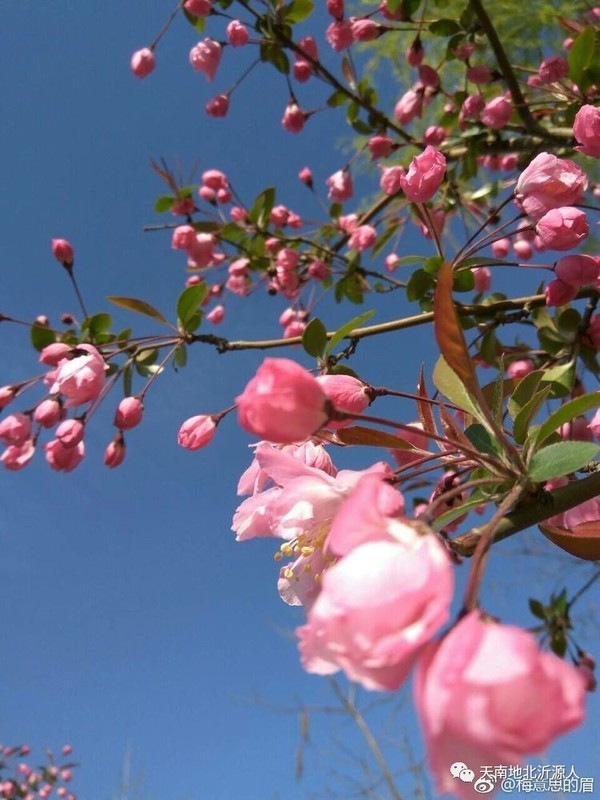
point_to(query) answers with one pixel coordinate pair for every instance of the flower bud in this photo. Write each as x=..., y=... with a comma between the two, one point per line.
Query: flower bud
x=129, y=413
x=63, y=252
x=197, y=432
x=114, y=455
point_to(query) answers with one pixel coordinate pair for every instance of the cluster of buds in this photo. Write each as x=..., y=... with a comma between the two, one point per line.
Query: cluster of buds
x=20, y=781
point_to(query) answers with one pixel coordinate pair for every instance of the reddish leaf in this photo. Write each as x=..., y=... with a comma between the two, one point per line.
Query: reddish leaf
x=424, y=408
x=371, y=437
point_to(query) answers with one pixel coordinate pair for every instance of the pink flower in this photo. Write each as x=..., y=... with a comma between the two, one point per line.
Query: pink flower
x=483, y=278
x=7, y=395
x=70, y=432
x=293, y=118
x=218, y=106
x=339, y=35
x=198, y=8
x=415, y=53
x=237, y=33
x=586, y=129
x=380, y=146
x=282, y=403
x=335, y=8
x=205, y=57
x=390, y=181
x=340, y=186
x=81, y=378
x=486, y=694
x=319, y=270
x=559, y=293
x=347, y=394
x=563, y=228
x=114, y=455
x=54, y=353
x=519, y=369
x=409, y=106
x=129, y=413
x=215, y=179
x=434, y=135
x=63, y=252
x=578, y=270
x=306, y=176
x=424, y=175
x=497, y=113
x=472, y=106
x=64, y=459
x=378, y=606
x=17, y=456
x=362, y=237
x=594, y=425
x=549, y=182
x=143, y=62
x=418, y=442
x=429, y=77
x=48, y=413
x=500, y=248
x=365, y=30
x=184, y=238
x=576, y=430
x=553, y=68
x=197, y=432
x=217, y=315
x=480, y=73
x=15, y=428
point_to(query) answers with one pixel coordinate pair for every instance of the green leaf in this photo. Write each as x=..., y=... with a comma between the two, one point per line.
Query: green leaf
x=419, y=283
x=561, y=378
x=444, y=27
x=560, y=459
x=164, y=203
x=127, y=380
x=580, y=54
x=180, y=356
x=464, y=281
x=482, y=440
x=346, y=329
x=273, y=54
x=523, y=392
x=98, y=324
x=298, y=10
x=41, y=336
x=314, y=338
x=263, y=205
x=527, y=413
x=450, y=385
x=147, y=356
x=567, y=412
x=432, y=264
x=454, y=513
x=188, y=304
x=408, y=7
x=537, y=608
x=338, y=98
x=139, y=306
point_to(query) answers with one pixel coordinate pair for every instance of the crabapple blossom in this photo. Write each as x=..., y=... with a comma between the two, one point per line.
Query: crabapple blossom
x=335, y=8
x=114, y=455
x=365, y=30
x=15, y=428
x=362, y=237
x=7, y=395
x=340, y=186
x=380, y=146
x=559, y=293
x=408, y=107
x=424, y=175
x=586, y=129
x=198, y=8
x=293, y=118
x=197, y=432
x=205, y=57
x=434, y=135
x=218, y=106
x=81, y=378
x=347, y=394
x=578, y=270
x=319, y=270
x=62, y=251
x=129, y=413
x=479, y=74
x=553, y=68
x=17, y=456
x=415, y=53
x=283, y=402
x=562, y=228
x=306, y=176
x=54, y=353
x=390, y=181
x=143, y=62
x=70, y=432
x=339, y=35
x=576, y=430
x=48, y=413
x=428, y=76
x=183, y=238
x=415, y=438
x=486, y=694
x=483, y=278
x=237, y=33
x=216, y=315
x=61, y=458
x=497, y=113
x=520, y=368
x=549, y=182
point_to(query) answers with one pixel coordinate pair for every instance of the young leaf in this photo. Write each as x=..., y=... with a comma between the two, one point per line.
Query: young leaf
x=298, y=10
x=347, y=329
x=560, y=459
x=449, y=384
x=567, y=412
x=527, y=413
x=371, y=437
x=523, y=392
x=41, y=336
x=189, y=302
x=139, y=306
x=314, y=338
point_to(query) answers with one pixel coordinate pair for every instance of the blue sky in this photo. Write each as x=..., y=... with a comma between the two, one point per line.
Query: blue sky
x=131, y=618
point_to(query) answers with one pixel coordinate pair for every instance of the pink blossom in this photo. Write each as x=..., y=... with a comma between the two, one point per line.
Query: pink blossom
x=70, y=432
x=486, y=694
x=183, y=238
x=306, y=176
x=576, y=430
x=340, y=186
x=335, y=8
x=377, y=607
x=418, y=442
x=54, y=353
x=362, y=237
x=293, y=118
x=365, y=30
x=559, y=293
x=129, y=413
x=464, y=50
x=114, y=455
x=415, y=53
x=7, y=395
x=319, y=270
x=390, y=181
x=553, y=68
x=48, y=413
x=500, y=248
x=380, y=146
x=215, y=179
x=594, y=425
x=201, y=252
x=197, y=432
x=217, y=107
x=205, y=57
x=549, y=182
x=586, y=129
x=198, y=8
x=183, y=206
x=63, y=252
x=483, y=278
x=409, y=106
x=578, y=270
x=348, y=222
x=434, y=135
x=519, y=369
x=339, y=35
x=61, y=458
x=81, y=378
x=429, y=77
x=295, y=328
x=424, y=175
x=497, y=113
x=347, y=394
x=282, y=403
x=15, y=428
x=391, y=262
x=237, y=33
x=309, y=45
x=143, y=62
x=480, y=73
x=17, y=456
x=217, y=315
x=523, y=249
x=563, y=228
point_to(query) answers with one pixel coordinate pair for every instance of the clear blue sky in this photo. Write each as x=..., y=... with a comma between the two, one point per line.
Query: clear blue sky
x=131, y=618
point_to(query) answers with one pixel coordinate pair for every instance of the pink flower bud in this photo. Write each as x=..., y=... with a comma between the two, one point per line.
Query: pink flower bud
x=483, y=278
x=424, y=175
x=500, y=248
x=64, y=459
x=479, y=74
x=390, y=181
x=70, y=432
x=295, y=328
x=302, y=71
x=335, y=8
x=208, y=194
x=362, y=237
x=54, y=353
x=497, y=113
x=184, y=237
x=114, y=455
x=197, y=432
x=347, y=394
x=365, y=30
x=559, y=293
x=577, y=430
x=66, y=775
x=67, y=749
x=205, y=57
x=7, y=395
x=15, y=428
x=216, y=316
x=17, y=456
x=549, y=182
x=408, y=107
x=380, y=146
x=319, y=270
x=472, y=106
x=63, y=252
x=553, y=68
x=306, y=176
x=339, y=35
x=391, y=262
x=183, y=207
x=283, y=403
x=563, y=228
x=129, y=413
x=81, y=378
x=594, y=425
x=519, y=369
x=340, y=186
x=429, y=77
x=218, y=106
x=414, y=54
x=523, y=249
x=293, y=118
x=434, y=135
x=198, y=8
x=586, y=129
x=237, y=34
x=143, y=62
